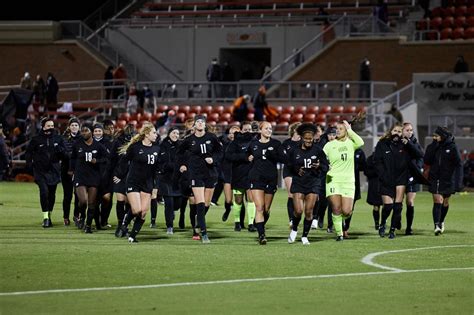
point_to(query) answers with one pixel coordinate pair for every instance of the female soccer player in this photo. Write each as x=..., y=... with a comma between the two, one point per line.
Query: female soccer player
x=197, y=154
x=392, y=157
x=308, y=164
x=340, y=181
x=263, y=176
x=142, y=156
x=442, y=157
x=285, y=150
x=412, y=186
x=86, y=159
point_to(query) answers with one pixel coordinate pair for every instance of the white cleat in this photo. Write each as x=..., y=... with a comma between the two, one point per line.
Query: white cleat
x=305, y=241
x=169, y=231
x=292, y=237
x=437, y=231
x=314, y=224
x=442, y=227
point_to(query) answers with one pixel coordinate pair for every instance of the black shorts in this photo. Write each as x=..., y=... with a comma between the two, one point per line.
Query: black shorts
x=206, y=182
x=121, y=187
x=390, y=191
x=305, y=189
x=268, y=188
x=287, y=172
x=82, y=183
x=413, y=188
x=139, y=187
x=227, y=175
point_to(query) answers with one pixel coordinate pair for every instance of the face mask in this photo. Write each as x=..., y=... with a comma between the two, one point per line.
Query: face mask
x=47, y=131
x=395, y=138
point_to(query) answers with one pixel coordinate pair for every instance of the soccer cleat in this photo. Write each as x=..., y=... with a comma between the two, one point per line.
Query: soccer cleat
x=205, y=239
x=339, y=238
x=215, y=204
x=345, y=234
x=46, y=223
x=196, y=237
x=305, y=241
x=292, y=237
x=76, y=221
x=50, y=223
x=251, y=228
x=153, y=225
x=132, y=240
x=437, y=230
x=399, y=225
x=314, y=224
x=391, y=235
x=67, y=222
x=169, y=231
x=262, y=240
x=320, y=224
x=330, y=229
x=118, y=232
x=225, y=216
x=382, y=231
x=237, y=227
x=442, y=227
x=80, y=224
x=377, y=227
x=290, y=224
x=408, y=232
x=88, y=230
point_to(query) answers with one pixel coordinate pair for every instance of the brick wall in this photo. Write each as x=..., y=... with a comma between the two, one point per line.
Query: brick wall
x=391, y=59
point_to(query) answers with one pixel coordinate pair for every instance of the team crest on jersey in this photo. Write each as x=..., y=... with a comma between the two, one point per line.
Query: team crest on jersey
x=193, y=142
x=270, y=148
x=243, y=148
x=255, y=148
x=208, y=142
x=94, y=151
x=80, y=150
x=55, y=144
x=140, y=151
x=298, y=156
x=155, y=153
x=313, y=157
x=447, y=151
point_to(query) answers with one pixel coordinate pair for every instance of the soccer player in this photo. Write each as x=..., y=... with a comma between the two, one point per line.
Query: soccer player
x=340, y=181
x=142, y=156
x=442, y=159
x=70, y=136
x=263, y=176
x=168, y=187
x=198, y=153
x=285, y=150
x=412, y=187
x=308, y=165
x=392, y=157
x=43, y=154
x=86, y=159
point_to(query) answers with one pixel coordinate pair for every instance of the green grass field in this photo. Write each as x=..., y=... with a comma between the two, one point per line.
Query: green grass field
x=421, y=274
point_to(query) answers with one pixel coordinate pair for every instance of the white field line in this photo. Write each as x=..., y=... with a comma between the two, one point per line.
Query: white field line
x=234, y=281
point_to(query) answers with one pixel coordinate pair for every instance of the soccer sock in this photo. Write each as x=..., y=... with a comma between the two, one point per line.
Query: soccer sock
x=306, y=227
x=290, y=207
x=410, y=215
x=128, y=218
x=90, y=216
x=337, y=221
x=347, y=223
x=397, y=216
x=237, y=209
x=376, y=215
x=153, y=209
x=228, y=207
x=266, y=216
x=260, y=228
x=120, y=211
x=444, y=212
x=192, y=215
x=242, y=215
x=251, y=211
x=206, y=209
x=137, y=226
x=201, y=217
x=330, y=218
x=437, y=213
x=46, y=215
x=296, y=222
x=386, y=210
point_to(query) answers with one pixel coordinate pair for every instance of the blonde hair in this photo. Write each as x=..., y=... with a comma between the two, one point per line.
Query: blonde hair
x=388, y=133
x=292, y=128
x=146, y=129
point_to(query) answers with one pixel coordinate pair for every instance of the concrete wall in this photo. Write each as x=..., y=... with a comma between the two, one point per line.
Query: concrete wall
x=188, y=51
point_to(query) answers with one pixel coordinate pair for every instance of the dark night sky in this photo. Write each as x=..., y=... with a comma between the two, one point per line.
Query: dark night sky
x=48, y=10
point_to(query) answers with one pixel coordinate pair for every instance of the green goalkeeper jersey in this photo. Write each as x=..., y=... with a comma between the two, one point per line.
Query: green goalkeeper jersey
x=340, y=155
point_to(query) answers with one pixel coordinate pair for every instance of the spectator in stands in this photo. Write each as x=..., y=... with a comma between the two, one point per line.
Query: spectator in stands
x=39, y=90
x=260, y=103
x=461, y=65
x=4, y=158
x=380, y=12
x=425, y=5
x=241, y=108
x=52, y=89
x=26, y=82
x=322, y=13
x=132, y=102
x=108, y=77
x=364, y=76
x=148, y=99
x=120, y=77
x=395, y=113
x=328, y=32
x=227, y=76
x=213, y=74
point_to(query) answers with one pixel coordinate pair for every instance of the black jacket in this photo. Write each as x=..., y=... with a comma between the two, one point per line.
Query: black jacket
x=444, y=161
x=44, y=154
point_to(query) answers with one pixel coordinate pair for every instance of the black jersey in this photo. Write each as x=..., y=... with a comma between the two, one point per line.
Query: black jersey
x=87, y=173
x=194, y=150
x=304, y=159
x=142, y=163
x=237, y=154
x=265, y=159
x=168, y=186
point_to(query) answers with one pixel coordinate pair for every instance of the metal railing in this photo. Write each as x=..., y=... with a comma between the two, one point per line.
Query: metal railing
x=460, y=125
x=377, y=119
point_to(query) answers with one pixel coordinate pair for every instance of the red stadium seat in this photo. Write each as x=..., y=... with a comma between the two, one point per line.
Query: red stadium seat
x=470, y=21
x=460, y=11
x=181, y=116
x=435, y=23
x=446, y=33
x=195, y=109
x=146, y=116
x=279, y=109
x=337, y=109
x=312, y=110
x=212, y=123
x=285, y=117
x=225, y=117
x=458, y=33
x=174, y=107
x=325, y=109
x=361, y=108
x=297, y=117
x=250, y=116
x=460, y=21
x=449, y=11
x=421, y=25
x=309, y=117
x=332, y=119
x=228, y=109
x=120, y=124
x=223, y=124
x=350, y=109
x=301, y=109
x=218, y=109
x=124, y=116
x=436, y=12
x=207, y=109
x=321, y=118
x=448, y=22
x=469, y=33
x=470, y=3
x=191, y=115
x=136, y=116
x=213, y=117
x=288, y=110
x=470, y=10
x=162, y=108
x=184, y=109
